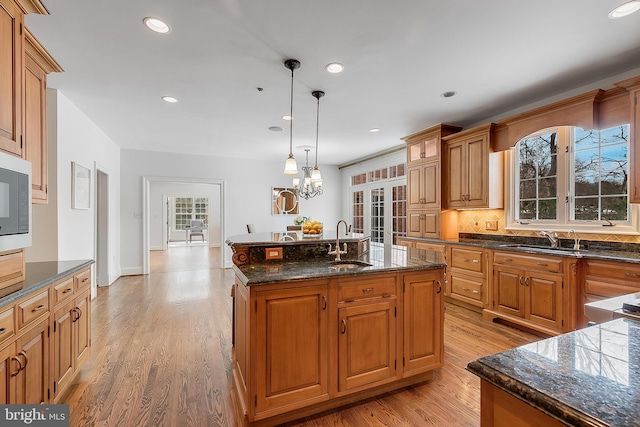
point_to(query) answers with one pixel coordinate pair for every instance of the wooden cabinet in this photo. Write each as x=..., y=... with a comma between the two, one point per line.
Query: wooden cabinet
x=423, y=322
x=38, y=63
x=71, y=327
x=472, y=174
x=11, y=267
x=467, y=275
x=529, y=290
x=11, y=66
x=292, y=369
x=607, y=279
x=31, y=382
x=424, y=183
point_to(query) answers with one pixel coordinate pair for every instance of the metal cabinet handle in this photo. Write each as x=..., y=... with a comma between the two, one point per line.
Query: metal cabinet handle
x=526, y=281
x=20, y=367
x=507, y=259
x=475, y=261
x=631, y=275
x=344, y=326
x=3, y=330
x=26, y=360
x=324, y=302
x=475, y=291
x=368, y=290
x=543, y=264
x=520, y=280
x=66, y=291
x=439, y=286
x=86, y=279
x=38, y=308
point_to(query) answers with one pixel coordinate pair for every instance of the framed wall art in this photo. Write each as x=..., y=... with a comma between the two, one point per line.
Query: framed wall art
x=80, y=186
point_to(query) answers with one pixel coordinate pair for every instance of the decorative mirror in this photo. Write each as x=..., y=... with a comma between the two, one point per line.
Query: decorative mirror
x=284, y=201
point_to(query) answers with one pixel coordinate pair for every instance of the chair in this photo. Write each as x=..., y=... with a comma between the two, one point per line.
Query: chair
x=251, y=228
x=196, y=228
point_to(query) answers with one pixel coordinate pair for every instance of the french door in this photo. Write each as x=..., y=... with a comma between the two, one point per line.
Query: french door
x=380, y=210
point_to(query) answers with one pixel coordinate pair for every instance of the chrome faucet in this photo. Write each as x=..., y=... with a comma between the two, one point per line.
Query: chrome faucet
x=338, y=252
x=576, y=241
x=552, y=236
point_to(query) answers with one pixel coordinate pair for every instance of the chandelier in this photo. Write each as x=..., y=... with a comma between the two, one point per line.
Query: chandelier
x=311, y=184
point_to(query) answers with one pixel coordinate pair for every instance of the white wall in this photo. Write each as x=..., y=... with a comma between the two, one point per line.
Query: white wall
x=247, y=194
x=159, y=190
x=75, y=137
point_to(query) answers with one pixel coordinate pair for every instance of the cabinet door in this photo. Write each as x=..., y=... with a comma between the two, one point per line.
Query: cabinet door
x=32, y=382
x=367, y=344
x=424, y=186
x=423, y=322
x=544, y=305
x=291, y=339
x=11, y=54
x=35, y=137
x=415, y=195
x=508, y=289
x=455, y=159
x=63, y=351
x=476, y=174
x=82, y=326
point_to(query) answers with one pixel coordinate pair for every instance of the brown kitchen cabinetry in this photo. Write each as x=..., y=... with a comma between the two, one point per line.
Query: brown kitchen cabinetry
x=38, y=63
x=607, y=279
x=528, y=290
x=472, y=173
x=467, y=275
x=11, y=66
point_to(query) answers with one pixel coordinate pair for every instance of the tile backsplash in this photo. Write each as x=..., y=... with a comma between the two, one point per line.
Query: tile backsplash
x=476, y=222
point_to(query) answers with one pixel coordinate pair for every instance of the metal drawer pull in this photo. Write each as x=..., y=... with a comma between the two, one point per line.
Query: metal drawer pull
x=86, y=279
x=38, y=308
x=67, y=290
x=543, y=264
x=465, y=260
x=324, y=302
x=439, y=287
x=368, y=290
x=475, y=291
x=26, y=361
x=631, y=275
x=507, y=259
x=3, y=330
x=520, y=280
x=476, y=261
x=344, y=326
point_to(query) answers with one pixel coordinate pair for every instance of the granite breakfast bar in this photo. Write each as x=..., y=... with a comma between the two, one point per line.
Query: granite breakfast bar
x=589, y=377
x=312, y=334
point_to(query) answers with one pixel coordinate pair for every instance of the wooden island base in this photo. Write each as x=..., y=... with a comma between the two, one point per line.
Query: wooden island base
x=242, y=413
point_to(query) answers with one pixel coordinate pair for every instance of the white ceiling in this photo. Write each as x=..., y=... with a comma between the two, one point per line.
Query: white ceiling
x=399, y=56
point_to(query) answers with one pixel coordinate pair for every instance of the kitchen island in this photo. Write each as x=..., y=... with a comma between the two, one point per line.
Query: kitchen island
x=589, y=377
x=311, y=334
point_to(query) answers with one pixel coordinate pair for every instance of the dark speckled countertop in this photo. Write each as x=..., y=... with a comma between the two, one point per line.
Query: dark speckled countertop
x=589, y=377
x=383, y=258
x=39, y=275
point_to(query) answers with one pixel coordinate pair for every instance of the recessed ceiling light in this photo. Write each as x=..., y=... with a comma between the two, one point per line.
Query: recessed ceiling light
x=374, y=130
x=447, y=94
x=155, y=24
x=169, y=99
x=275, y=128
x=287, y=117
x=625, y=9
x=334, y=67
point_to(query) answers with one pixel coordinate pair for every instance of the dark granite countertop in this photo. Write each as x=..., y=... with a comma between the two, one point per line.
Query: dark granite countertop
x=280, y=238
x=589, y=377
x=383, y=258
x=611, y=251
x=39, y=275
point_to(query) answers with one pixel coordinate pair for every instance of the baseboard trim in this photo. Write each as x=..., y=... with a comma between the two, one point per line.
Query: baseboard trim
x=131, y=271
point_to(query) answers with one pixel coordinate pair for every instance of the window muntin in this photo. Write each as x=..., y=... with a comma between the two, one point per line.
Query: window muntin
x=569, y=176
x=191, y=208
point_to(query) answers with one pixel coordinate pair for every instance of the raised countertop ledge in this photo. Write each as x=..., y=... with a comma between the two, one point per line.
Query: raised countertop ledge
x=39, y=275
x=589, y=377
x=289, y=238
x=384, y=258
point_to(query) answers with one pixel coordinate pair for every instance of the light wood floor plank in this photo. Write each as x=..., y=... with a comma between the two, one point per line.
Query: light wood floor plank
x=161, y=357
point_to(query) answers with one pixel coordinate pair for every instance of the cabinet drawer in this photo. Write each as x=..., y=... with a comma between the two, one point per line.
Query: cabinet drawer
x=608, y=289
x=614, y=270
x=467, y=259
x=429, y=246
x=83, y=279
x=468, y=288
x=6, y=324
x=528, y=261
x=33, y=308
x=371, y=288
x=63, y=290
x=11, y=268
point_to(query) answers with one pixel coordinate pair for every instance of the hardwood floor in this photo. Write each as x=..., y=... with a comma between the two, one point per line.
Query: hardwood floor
x=161, y=357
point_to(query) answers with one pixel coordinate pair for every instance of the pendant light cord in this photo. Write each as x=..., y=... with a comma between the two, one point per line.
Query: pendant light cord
x=317, y=130
x=291, y=118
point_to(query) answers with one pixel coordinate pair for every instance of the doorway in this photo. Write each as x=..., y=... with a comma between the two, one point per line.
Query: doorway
x=181, y=210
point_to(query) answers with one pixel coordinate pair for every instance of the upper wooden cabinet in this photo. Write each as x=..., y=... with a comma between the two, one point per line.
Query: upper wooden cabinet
x=11, y=66
x=424, y=146
x=38, y=63
x=472, y=173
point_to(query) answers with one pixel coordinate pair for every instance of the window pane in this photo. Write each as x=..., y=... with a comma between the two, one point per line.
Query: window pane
x=528, y=209
x=586, y=209
x=587, y=184
x=585, y=138
x=547, y=209
x=528, y=189
x=547, y=187
x=358, y=212
x=527, y=170
x=615, y=135
x=614, y=169
x=614, y=208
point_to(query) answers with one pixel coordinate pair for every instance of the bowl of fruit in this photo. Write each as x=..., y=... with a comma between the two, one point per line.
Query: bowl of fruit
x=312, y=228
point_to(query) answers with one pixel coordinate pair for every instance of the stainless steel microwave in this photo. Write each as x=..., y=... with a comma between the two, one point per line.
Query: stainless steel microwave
x=15, y=202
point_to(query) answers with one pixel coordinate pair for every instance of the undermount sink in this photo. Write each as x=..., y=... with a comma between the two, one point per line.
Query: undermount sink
x=350, y=264
x=539, y=248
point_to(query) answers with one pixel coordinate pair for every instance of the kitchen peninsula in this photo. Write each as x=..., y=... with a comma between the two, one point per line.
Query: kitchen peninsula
x=311, y=333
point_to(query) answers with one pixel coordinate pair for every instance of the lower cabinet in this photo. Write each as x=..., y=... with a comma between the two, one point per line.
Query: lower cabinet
x=306, y=347
x=24, y=368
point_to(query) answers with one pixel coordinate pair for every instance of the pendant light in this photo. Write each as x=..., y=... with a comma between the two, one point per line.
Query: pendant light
x=290, y=166
x=311, y=184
